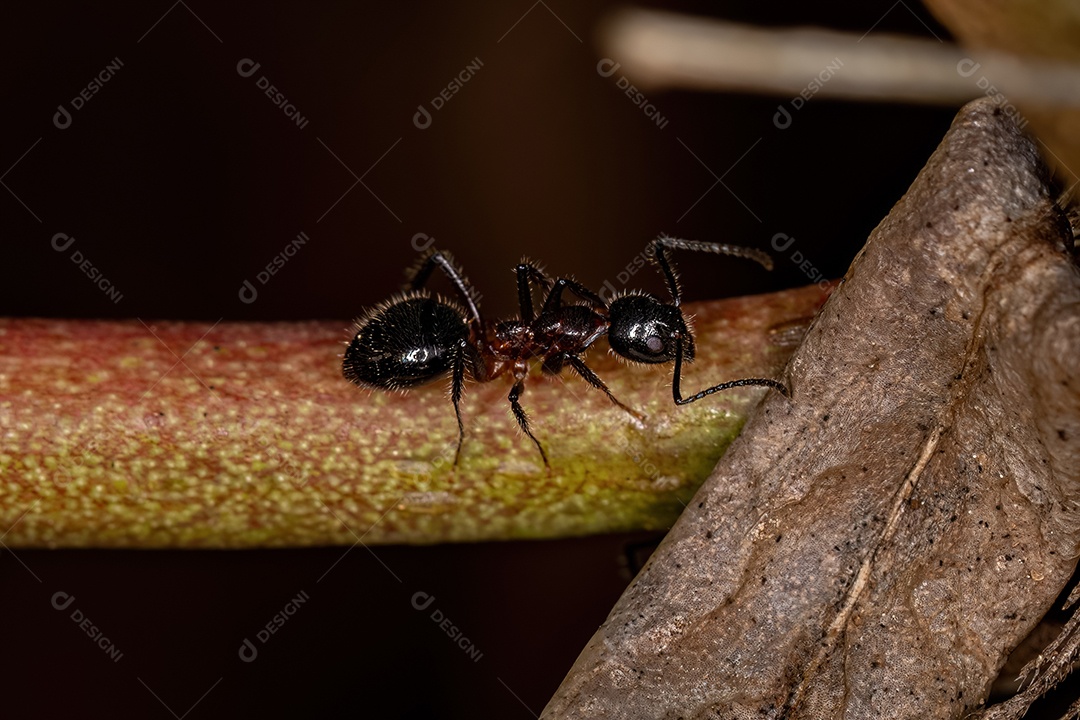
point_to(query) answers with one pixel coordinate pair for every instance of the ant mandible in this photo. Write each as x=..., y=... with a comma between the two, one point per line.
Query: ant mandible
x=416, y=337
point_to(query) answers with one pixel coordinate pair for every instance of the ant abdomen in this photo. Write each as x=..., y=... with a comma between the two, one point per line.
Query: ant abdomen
x=407, y=342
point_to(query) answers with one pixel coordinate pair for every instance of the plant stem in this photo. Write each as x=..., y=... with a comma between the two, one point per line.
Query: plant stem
x=121, y=434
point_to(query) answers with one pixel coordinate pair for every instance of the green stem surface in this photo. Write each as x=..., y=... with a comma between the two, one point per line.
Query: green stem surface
x=120, y=434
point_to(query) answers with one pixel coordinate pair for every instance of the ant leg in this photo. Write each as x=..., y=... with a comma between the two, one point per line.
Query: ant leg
x=593, y=379
x=680, y=400
x=523, y=419
x=445, y=262
x=417, y=278
x=456, y=387
x=526, y=271
x=554, y=298
x=658, y=253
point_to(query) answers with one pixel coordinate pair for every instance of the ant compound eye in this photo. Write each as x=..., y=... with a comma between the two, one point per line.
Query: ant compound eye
x=646, y=341
x=404, y=344
x=644, y=329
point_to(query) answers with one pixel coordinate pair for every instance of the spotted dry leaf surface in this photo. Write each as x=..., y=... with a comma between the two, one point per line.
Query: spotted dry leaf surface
x=116, y=434
x=876, y=546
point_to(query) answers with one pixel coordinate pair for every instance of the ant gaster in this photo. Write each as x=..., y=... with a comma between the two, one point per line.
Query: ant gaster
x=417, y=337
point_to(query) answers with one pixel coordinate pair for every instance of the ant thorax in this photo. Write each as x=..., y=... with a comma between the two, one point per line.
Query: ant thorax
x=506, y=344
x=509, y=339
x=567, y=329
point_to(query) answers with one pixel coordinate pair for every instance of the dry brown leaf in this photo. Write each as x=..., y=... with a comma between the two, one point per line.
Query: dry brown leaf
x=875, y=546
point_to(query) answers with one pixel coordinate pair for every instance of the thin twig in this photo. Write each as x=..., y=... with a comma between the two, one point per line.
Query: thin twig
x=660, y=49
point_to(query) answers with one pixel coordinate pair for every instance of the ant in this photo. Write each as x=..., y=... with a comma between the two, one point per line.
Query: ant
x=416, y=337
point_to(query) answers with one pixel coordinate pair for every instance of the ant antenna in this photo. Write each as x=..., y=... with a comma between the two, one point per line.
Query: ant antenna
x=658, y=253
x=676, y=393
x=659, y=249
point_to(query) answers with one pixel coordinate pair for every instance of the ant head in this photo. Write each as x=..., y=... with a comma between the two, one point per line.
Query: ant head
x=647, y=330
x=408, y=341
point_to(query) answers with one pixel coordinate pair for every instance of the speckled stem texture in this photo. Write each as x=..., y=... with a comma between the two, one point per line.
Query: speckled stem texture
x=132, y=434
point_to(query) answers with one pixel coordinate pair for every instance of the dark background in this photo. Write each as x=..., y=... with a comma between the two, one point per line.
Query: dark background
x=179, y=180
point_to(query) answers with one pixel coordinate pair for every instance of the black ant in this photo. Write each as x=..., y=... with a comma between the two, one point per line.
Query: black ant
x=417, y=337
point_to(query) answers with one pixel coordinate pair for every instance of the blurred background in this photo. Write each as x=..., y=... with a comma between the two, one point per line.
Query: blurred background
x=494, y=130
